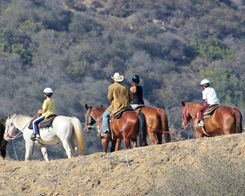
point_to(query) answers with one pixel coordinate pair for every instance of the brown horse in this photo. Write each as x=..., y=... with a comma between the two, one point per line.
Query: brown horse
x=3, y=143
x=224, y=120
x=156, y=125
x=126, y=127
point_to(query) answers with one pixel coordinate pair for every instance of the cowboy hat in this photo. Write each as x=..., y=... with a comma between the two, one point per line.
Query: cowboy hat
x=117, y=77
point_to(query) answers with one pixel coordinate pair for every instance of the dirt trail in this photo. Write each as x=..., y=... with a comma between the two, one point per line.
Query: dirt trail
x=209, y=166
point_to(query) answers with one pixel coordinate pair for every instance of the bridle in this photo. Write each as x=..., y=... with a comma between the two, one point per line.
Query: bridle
x=15, y=128
x=91, y=123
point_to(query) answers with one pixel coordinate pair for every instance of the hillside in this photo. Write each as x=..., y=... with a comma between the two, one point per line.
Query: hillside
x=75, y=46
x=209, y=166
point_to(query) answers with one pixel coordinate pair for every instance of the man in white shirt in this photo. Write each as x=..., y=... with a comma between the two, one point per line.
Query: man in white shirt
x=210, y=98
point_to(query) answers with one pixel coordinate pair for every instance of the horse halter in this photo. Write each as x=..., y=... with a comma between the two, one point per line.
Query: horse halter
x=11, y=128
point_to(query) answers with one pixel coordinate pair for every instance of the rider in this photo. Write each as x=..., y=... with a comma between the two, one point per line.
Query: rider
x=120, y=97
x=48, y=108
x=210, y=98
x=137, y=92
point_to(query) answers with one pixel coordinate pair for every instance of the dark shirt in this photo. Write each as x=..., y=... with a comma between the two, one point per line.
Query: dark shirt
x=138, y=96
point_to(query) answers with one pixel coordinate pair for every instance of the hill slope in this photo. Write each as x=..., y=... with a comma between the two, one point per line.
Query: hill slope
x=193, y=167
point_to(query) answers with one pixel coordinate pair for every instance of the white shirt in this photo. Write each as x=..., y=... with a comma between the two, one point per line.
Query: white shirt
x=210, y=96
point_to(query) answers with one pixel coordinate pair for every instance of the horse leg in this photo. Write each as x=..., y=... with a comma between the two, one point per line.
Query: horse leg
x=159, y=137
x=134, y=143
x=198, y=134
x=152, y=137
x=3, y=149
x=29, y=149
x=113, y=145
x=73, y=148
x=67, y=147
x=118, y=143
x=104, y=142
x=44, y=152
x=126, y=142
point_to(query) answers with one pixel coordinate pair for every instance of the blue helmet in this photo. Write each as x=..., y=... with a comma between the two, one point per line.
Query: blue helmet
x=136, y=79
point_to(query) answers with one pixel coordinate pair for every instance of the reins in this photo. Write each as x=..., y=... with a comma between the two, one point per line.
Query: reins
x=21, y=130
x=178, y=130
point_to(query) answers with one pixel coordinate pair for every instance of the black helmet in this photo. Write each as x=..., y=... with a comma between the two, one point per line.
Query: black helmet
x=136, y=79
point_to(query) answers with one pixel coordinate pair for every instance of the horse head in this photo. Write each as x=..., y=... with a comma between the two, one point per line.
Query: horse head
x=186, y=117
x=89, y=120
x=10, y=129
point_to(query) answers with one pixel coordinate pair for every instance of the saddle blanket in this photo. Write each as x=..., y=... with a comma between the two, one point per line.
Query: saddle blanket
x=208, y=112
x=119, y=113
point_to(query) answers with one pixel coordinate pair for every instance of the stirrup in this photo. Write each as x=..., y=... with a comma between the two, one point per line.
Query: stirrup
x=35, y=137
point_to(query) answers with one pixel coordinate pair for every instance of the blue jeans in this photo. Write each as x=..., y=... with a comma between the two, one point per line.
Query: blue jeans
x=105, y=121
x=36, y=122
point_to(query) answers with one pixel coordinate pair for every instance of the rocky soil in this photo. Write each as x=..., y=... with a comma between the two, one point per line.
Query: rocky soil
x=209, y=166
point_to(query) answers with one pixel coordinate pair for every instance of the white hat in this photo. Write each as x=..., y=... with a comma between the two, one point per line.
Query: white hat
x=204, y=81
x=48, y=91
x=117, y=77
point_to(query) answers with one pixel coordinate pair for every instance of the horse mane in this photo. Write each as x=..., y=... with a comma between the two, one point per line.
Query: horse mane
x=22, y=120
x=193, y=107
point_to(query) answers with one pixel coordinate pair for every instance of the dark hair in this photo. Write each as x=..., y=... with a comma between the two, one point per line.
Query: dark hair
x=48, y=94
x=206, y=85
x=136, y=79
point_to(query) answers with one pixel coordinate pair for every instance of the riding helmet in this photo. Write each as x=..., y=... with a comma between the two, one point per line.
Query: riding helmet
x=136, y=79
x=48, y=91
x=204, y=82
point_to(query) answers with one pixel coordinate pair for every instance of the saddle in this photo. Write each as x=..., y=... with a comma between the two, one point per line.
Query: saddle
x=139, y=107
x=119, y=113
x=45, y=123
x=208, y=112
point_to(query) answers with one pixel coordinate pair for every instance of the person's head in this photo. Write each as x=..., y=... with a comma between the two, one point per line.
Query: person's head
x=48, y=92
x=135, y=79
x=117, y=77
x=205, y=83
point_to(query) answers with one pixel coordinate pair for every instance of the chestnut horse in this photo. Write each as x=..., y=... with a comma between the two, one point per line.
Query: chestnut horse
x=3, y=142
x=156, y=125
x=126, y=127
x=224, y=120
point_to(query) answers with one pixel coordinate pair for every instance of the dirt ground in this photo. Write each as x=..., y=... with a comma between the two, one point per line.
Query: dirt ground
x=209, y=166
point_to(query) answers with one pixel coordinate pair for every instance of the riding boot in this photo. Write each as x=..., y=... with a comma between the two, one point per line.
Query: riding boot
x=200, y=123
x=105, y=134
x=35, y=137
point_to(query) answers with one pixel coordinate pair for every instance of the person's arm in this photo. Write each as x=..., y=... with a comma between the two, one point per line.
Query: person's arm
x=44, y=107
x=133, y=89
x=110, y=94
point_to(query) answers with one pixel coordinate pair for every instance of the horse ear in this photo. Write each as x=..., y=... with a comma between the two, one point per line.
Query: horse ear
x=183, y=103
x=11, y=115
x=86, y=106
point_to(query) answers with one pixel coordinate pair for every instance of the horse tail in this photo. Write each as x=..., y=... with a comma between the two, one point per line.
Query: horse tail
x=77, y=127
x=142, y=128
x=238, y=121
x=164, y=124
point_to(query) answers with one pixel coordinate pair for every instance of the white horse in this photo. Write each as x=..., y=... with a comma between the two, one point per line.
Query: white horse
x=64, y=129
